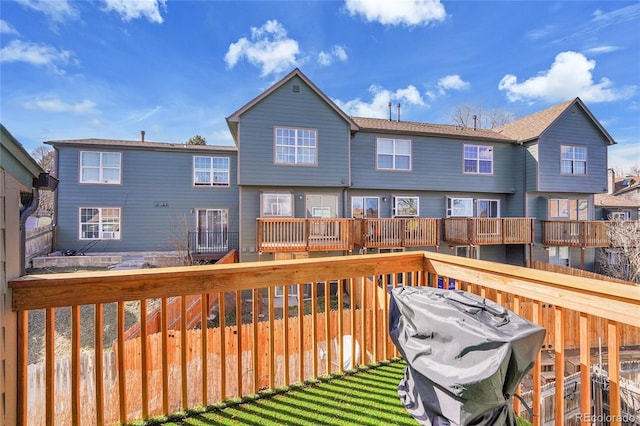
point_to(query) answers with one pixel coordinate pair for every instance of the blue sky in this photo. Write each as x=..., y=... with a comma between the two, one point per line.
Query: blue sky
x=109, y=69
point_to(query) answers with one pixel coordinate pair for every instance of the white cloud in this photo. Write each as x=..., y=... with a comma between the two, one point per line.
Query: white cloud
x=6, y=28
x=539, y=33
x=269, y=48
x=128, y=9
x=84, y=107
x=379, y=105
x=336, y=52
x=57, y=10
x=453, y=82
x=34, y=54
x=407, y=12
x=602, y=49
x=570, y=75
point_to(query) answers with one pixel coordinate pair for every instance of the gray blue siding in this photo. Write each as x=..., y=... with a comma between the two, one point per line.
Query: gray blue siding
x=148, y=178
x=303, y=109
x=572, y=128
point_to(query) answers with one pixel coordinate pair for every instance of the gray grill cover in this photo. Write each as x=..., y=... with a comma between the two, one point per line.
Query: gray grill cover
x=465, y=355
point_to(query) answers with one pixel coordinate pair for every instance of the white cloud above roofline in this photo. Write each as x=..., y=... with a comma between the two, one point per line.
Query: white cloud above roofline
x=129, y=10
x=570, y=75
x=406, y=12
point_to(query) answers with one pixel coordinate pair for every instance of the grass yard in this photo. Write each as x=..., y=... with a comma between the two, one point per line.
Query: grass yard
x=368, y=397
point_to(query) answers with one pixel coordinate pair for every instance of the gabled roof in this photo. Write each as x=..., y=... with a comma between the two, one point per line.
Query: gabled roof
x=534, y=125
x=159, y=146
x=608, y=200
x=233, y=119
x=441, y=130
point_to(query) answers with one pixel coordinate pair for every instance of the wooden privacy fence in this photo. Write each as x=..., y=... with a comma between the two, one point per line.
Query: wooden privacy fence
x=178, y=369
x=38, y=241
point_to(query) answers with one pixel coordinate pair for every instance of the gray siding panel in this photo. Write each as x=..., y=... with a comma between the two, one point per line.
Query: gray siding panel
x=437, y=164
x=148, y=177
x=573, y=128
x=303, y=109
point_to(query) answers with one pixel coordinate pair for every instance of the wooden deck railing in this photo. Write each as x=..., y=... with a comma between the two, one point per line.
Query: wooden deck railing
x=575, y=233
x=479, y=231
x=397, y=232
x=258, y=341
x=280, y=235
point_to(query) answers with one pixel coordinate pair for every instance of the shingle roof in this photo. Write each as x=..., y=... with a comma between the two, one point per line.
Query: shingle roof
x=534, y=125
x=140, y=144
x=631, y=182
x=409, y=127
x=608, y=200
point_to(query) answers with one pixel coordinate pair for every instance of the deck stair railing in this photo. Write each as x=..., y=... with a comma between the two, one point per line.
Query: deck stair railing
x=259, y=341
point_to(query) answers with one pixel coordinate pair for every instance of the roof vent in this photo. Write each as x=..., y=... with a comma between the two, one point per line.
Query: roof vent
x=295, y=88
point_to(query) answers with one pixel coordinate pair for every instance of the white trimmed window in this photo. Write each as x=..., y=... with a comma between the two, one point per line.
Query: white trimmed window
x=100, y=167
x=99, y=223
x=277, y=204
x=487, y=208
x=619, y=216
x=406, y=206
x=296, y=146
x=459, y=207
x=574, y=160
x=393, y=154
x=210, y=171
x=478, y=159
x=365, y=207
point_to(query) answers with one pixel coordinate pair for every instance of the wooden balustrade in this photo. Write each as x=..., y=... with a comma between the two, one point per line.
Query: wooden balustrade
x=479, y=231
x=575, y=233
x=397, y=232
x=314, y=234
x=260, y=341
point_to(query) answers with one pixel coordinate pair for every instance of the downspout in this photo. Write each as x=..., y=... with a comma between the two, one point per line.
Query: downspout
x=24, y=214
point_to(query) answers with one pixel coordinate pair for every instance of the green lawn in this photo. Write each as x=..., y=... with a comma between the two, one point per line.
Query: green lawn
x=368, y=397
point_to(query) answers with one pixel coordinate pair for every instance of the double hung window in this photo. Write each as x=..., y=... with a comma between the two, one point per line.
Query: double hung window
x=393, y=154
x=211, y=171
x=574, y=160
x=99, y=223
x=100, y=167
x=478, y=159
x=296, y=146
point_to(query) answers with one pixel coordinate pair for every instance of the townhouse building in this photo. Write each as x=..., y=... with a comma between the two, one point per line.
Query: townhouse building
x=306, y=179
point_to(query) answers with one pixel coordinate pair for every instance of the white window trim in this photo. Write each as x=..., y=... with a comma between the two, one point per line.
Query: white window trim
x=477, y=159
x=394, y=211
x=278, y=194
x=394, y=155
x=295, y=146
x=574, y=160
x=102, y=235
x=212, y=171
x=293, y=291
x=364, y=199
x=100, y=167
x=477, y=202
x=619, y=216
x=450, y=201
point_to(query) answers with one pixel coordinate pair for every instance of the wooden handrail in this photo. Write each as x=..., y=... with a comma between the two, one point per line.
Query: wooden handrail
x=254, y=347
